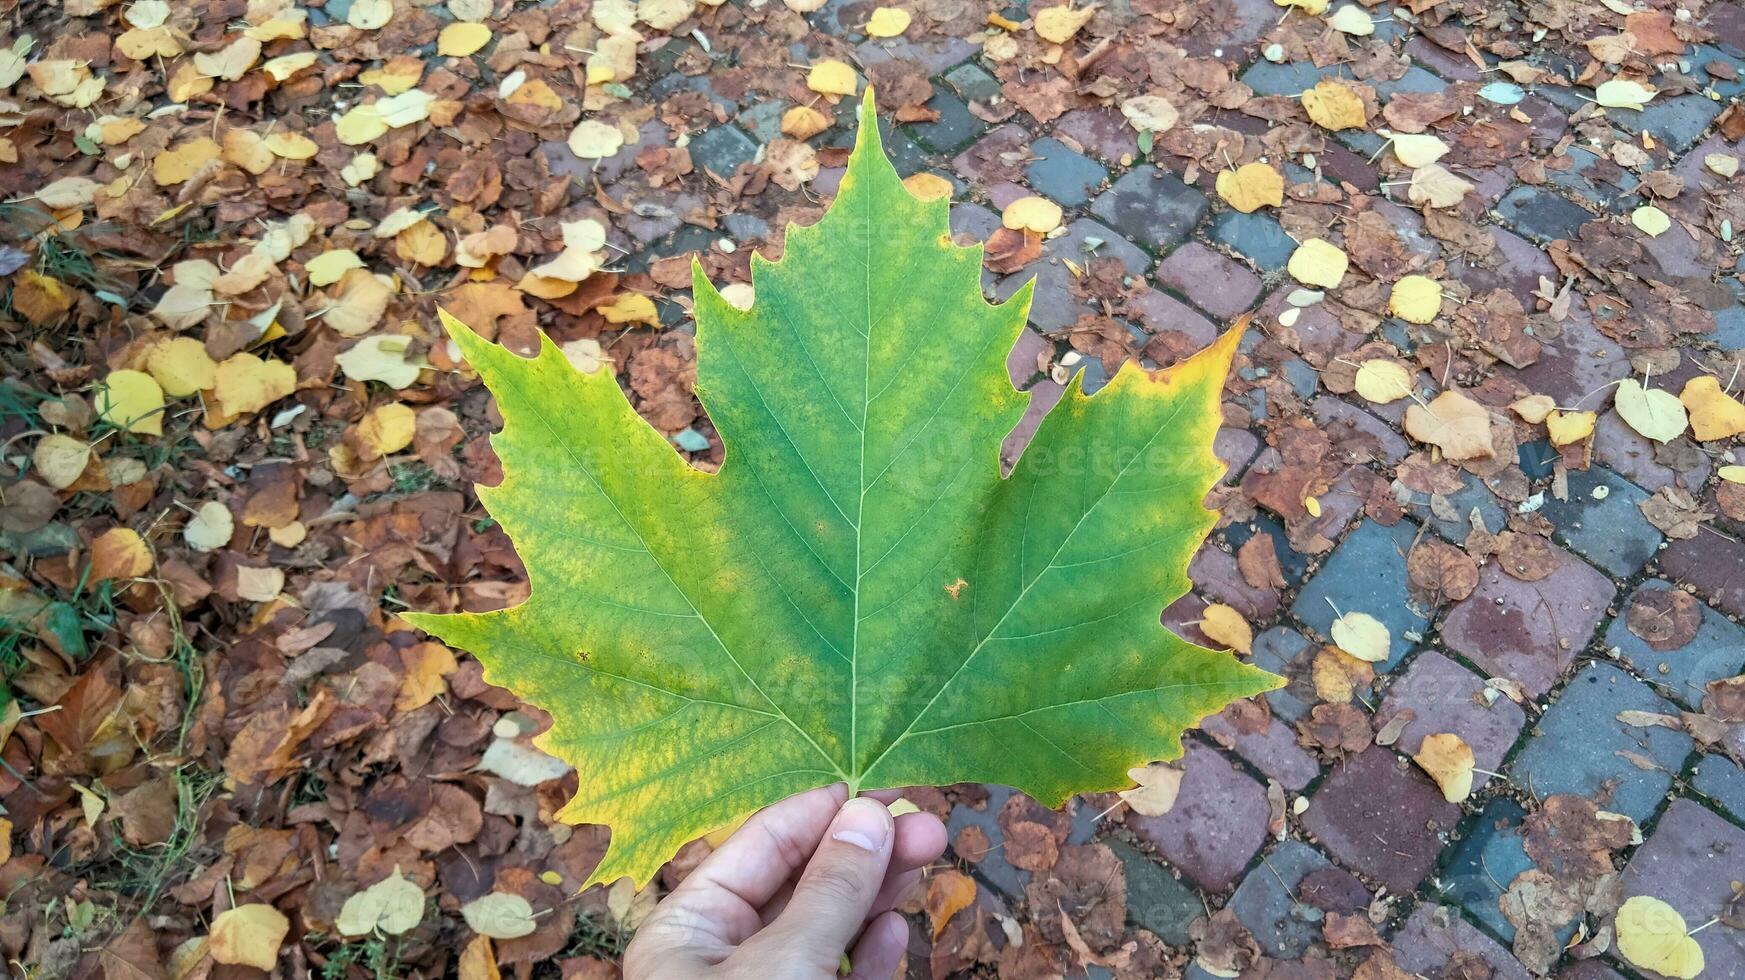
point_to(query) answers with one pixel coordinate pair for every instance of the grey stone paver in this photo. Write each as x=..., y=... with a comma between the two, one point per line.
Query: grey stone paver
x=1152, y=207
x=1436, y=934
x=1722, y=780
x=1366, y=574
x=1493, y=852
x=1716, y=651
x=1601, y=521
x=1581, y=747
x=955, y=126
x=1540, y=214
x=1156, y=899
x=1258, y=237
x=1267, y=900
x=1063, y=175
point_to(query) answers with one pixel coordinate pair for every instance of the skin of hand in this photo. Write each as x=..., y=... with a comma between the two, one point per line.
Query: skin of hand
x=789, y=892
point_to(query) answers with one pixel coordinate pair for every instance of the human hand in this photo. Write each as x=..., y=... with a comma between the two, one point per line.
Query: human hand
x=784, y=897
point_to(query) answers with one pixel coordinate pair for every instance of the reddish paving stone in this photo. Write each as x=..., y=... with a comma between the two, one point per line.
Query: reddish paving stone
x=1443, y=696
x=1217, y=825
x=1157, y=311
x=1275, y=751
x=998, y=156
x=1515, y=264
x=1638, y=460
x=1382, y=819
x=1714, y=564
x=1211, y=280
x=1214, y=571
x=1234, y=448
x=1589, y=970
x=1103, y=131
x=1689, y=863
x=1321, y=336
x=1529, y=631
x=1448, y=64
x=1358, y=436
x=1576, y=365
x=1436, y=933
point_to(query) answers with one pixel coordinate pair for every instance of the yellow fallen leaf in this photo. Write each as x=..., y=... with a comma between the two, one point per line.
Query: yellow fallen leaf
x=595, y=140
x=180, y=366
x=1534, y=408
x=461, y=39
x=331, y=266
x=927, y=186
x=132, y=401
x=1416, y=299
x=1567, y=428
x=370, y=15
x=1334, y=105
x=831, y=77
x=1381, y=381
x=1251, y=187
x=1449, y=761
x=1653, y=412
x=427, y=668
x=887, y=22
x=291, y=146
x=246, y=149
x=384, y=358
x=1714, y=414
x=1650, y=220
x=245, y=383
x=1150, y=113
x=1059, y=24
x=1418, y=149
x=1653, y=936
x=1353, y=20
x=283, y=69
x=1225, y=625
x=1624, y=93
x=1037, y=214
x=1314, y=7
x=1318, y=262
x=119, y=553
x=1732, y=474
x=387, y=429
x=1362, y=636
x=1434, y=186
x=210, y=528
x=1454, y=423
x=60, y=459
x=630, y=308
x=802, y=122
x=176, y=164
x=1159, y=785
x=248, y=935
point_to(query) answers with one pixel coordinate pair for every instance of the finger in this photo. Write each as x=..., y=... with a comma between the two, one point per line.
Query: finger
x=880, y=949
x=893, y=890
x=764, y=854
x=919, y=842
x=836, y=890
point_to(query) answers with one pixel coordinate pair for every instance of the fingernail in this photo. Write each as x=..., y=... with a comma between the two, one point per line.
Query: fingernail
x=863, y=823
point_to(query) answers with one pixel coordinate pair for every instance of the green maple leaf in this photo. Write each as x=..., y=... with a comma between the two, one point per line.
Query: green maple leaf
x=858, y=594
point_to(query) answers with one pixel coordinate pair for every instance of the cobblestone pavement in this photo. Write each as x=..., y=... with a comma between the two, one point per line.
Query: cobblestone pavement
x=1369, y=825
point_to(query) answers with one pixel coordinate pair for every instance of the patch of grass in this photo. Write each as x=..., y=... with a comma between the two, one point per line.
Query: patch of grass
x=145, y=872
x=596, y=936
x=378, y=956
x=413, y=476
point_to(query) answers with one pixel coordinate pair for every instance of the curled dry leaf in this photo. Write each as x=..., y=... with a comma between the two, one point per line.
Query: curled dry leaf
x=1448, y=760
x=1159, y=784
x=1453, y=423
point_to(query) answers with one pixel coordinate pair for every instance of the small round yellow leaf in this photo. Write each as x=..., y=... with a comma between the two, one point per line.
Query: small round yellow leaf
x=1650, y=220
x=928, y=187
x=60, y=460
x=1714, y=414
x=133, y=401
x=331, y=266
x=1251, y=187
x=1037, y=214
x=1566, y=428
x=831, y=77
x=1058, y=24
x=291, y=146
x=595, y=140
x=180, y=367
x=1653, y=412
x=1225, y=625
x=887, y=22
x=1653, y=936
x=1318, y=262
x=1449, y=761
x=1418, y=149
x=461, y=39
x=1416, y=299
x=1381, y=381
x=1363, y=636
x=248, y=935
x=1334, y=106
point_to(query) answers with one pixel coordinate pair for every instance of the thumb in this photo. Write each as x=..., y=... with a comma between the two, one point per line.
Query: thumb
x=837, y=890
